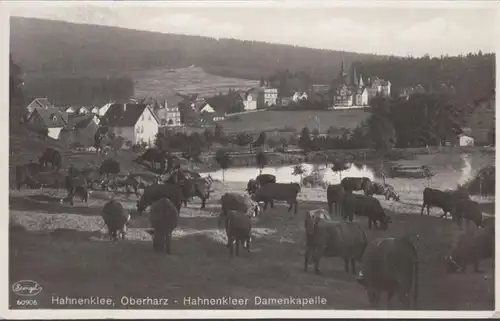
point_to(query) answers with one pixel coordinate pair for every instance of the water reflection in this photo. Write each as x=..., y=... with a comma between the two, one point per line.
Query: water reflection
x=284, y=173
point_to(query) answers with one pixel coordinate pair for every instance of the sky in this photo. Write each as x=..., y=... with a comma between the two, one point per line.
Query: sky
x=397, y=29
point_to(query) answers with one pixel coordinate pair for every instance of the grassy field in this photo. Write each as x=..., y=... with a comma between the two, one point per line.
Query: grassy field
x=65, y=249
x=269, y=120
x=163, y=81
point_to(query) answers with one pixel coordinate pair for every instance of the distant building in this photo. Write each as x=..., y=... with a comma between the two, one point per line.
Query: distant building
x=270, y=96
x=101, y=111
x=134, y=122
x=80, y=129
x=43, y=103
x=299, y=96
x=350, y=89
x=254, y=98
x=169, y=114
x=482, y=119
x=464, y=140
x=51, y=118
x=78, y=110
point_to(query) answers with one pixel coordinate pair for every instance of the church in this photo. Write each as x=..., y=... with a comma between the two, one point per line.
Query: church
x=350, y=90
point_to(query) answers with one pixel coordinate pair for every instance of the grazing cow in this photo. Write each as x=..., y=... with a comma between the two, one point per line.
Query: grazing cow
x=52, y=156
x=76, y=186
x=109, y=166
x=199, y=187
x=238, y=229
x=278, y=191
x=252, y=186
x=368, y=206
x=264, y=179
x=335, y=194
x=153, y=156
x=473, y=246
x=164, y=218
x=333, y=239
x=313, y=217
x=382, y=189
x=390, y=265
x=437, y=198
x=351, y=184
x=25, y=174
x=467, y=209
x=158, y=191
x=116, y=218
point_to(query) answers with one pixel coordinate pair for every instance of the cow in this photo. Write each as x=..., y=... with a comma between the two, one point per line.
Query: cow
x=91, y=175
x=473, y=246
x=252, y=186
x=25, y=174
x=116, y=218
x=240, y=203
x=335, y=194
x=238, y=229
x=333, y=239
x=199, y=187
x=278, y=191
x=368, y=206
x=52, y=156
x=390, y=265
x=467, y=209
x=109, y=166
x=76, y=186
x=351, y=184
x=264, y=179
x=153, y=156
x=158, y=191
x=437, y=198
x=381, y=189
x=164, y=218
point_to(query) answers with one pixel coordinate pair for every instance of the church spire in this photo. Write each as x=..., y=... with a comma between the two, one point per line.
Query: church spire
x=354, y=77
x=361, y=83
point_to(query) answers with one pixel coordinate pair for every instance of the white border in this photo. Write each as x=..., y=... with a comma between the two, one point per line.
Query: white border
x=140, y=314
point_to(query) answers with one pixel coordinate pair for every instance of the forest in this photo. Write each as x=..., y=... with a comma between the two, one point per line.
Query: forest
x=62, y=48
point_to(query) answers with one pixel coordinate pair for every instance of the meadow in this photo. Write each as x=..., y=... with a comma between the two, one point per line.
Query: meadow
x=66, y=250
x=161, y=82
x=268, y=120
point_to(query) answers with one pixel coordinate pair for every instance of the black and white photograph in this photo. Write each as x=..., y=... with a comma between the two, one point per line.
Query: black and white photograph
x=274, y=156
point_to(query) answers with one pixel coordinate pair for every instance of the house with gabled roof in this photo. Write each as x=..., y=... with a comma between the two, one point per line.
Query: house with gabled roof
x=80, y=129
x=51, y=118
x=43, y=103
x=134, y=122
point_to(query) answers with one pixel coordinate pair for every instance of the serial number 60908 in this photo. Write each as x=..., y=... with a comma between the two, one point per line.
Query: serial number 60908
x=26, y=302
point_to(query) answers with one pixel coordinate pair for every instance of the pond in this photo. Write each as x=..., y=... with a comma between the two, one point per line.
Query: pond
x=457, y=168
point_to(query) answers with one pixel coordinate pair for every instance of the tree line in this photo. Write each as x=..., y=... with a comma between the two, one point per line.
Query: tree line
x=81, y=91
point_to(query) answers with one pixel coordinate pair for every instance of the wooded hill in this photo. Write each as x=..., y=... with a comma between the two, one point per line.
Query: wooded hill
x=64, y=48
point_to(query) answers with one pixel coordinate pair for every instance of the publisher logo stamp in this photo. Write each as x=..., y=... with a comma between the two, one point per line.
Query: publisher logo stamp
x=26, y=288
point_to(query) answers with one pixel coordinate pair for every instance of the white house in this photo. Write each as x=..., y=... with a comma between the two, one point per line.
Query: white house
x=43, y=103
x=464, y=140
x=134, y=122
x=101, y=111
x=361, y=97
x=299, y=96
x=270, y=96
x=251, y=99
x=206, y=108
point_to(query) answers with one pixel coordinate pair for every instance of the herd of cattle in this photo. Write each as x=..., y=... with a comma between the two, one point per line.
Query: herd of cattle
x=387, y=264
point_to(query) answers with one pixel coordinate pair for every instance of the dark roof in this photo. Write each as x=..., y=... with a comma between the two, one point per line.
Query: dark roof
x=118, y=117
x=79, y=121
x=47, y=116
x=42, y=102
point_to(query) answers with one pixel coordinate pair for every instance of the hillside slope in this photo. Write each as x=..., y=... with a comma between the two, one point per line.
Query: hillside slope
x=65, y=48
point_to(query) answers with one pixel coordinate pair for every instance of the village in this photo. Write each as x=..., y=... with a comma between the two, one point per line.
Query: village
x=140, y=119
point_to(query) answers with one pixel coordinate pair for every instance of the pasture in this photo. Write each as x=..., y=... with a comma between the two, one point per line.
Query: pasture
x=161, y=81
x=271, y=120
x=66, y=250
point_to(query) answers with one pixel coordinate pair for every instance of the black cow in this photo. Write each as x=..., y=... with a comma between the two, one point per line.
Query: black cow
x=335, y=195
x=280, y=192
x=52, y=156
x=196, y=187
x=164, y=218
x=76, y=186
x=368, y=206
x=437, y=198
x=116, y=218
x=156, y=192
x=264, y=179
x=25, y=174
x=390, y=265
x=109, y=166
x=351, y=184
x=252, y=186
